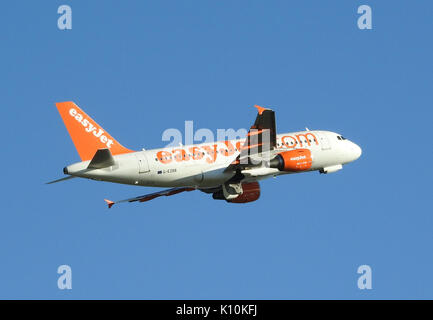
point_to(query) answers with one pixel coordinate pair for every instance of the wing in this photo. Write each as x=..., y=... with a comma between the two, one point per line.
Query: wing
x=261, y=140
x=147, y=197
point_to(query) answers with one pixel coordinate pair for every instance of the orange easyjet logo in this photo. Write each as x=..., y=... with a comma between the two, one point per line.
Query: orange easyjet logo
x=196, y=153
x=211, y=152
x=90, y=128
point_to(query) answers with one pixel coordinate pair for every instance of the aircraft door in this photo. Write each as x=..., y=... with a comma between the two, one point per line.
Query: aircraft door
x=143, y=165
x=323, y=140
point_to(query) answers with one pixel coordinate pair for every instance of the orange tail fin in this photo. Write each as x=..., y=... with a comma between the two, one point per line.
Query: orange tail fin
x=86, y=134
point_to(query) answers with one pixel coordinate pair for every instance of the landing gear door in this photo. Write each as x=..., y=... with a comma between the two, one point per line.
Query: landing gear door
x=323, y=141
x=143, y=165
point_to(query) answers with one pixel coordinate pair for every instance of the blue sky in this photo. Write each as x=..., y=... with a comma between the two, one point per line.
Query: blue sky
x=140, y=67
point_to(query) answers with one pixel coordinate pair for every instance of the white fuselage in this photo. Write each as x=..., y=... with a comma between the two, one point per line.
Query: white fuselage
x=204, y=165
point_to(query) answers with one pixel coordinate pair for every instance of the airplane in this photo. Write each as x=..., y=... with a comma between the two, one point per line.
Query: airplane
x=230, y=170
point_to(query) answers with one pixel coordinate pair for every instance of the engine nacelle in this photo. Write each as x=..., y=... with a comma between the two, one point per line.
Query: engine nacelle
x=293, y=160
x=250, y=192
x=331, y=169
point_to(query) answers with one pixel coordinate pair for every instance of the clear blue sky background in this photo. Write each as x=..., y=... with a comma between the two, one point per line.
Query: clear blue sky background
x=140, y=67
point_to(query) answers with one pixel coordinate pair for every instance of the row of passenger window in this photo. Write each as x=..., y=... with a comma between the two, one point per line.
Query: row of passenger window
x=196, y=154
x=296, y=142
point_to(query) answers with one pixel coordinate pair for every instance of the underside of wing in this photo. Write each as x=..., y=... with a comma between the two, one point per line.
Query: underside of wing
x=150, y=196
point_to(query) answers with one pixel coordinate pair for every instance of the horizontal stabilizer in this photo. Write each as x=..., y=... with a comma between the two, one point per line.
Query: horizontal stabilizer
x=61, y=179
x=101, y=159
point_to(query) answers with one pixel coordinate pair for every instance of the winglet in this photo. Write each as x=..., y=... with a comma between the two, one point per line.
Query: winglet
x=260, y=109
x=109, y=202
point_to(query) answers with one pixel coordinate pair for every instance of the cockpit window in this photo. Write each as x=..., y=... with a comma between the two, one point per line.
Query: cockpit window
x=338, y=137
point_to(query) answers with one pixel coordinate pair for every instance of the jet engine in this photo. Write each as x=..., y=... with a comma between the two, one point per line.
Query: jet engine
x=250, y=192
x=293, y=160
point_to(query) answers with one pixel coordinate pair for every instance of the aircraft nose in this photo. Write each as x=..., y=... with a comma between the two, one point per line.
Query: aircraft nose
x=357, y=151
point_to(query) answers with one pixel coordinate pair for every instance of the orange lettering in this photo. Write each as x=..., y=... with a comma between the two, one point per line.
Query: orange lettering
x=306, y=138
x=287, y=144
x=230, y=149
x=180, y=155
x=212, y=153
x=164, y=156
x=196, y=153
